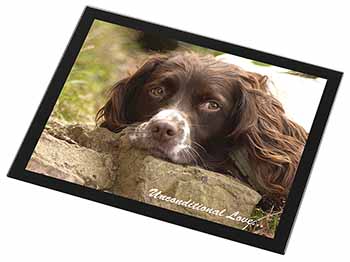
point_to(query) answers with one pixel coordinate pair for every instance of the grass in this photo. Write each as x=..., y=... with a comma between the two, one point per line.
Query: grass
x=267, y=222
x=258, y=63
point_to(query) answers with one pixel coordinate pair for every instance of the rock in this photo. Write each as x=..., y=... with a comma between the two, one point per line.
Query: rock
x=98, y=158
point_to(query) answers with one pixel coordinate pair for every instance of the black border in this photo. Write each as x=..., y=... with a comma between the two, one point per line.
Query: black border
x=277, y=244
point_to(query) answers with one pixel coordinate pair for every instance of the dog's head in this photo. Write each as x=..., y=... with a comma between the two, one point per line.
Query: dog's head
x=181, y=106
x=184, y=106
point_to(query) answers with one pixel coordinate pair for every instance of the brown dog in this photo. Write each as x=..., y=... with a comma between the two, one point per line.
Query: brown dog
x=193, y=109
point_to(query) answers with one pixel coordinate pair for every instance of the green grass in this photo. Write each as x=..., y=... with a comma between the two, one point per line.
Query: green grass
x=258, y=63
x=267, y=222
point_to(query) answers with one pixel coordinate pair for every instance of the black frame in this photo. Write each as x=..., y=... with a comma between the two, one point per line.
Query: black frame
x=276, y=244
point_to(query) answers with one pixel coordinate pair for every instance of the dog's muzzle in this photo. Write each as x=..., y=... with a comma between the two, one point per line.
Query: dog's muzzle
x=166, y=135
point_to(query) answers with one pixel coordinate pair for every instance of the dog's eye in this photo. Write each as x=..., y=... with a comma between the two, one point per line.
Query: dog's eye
x=157, y=91
x=210, y=106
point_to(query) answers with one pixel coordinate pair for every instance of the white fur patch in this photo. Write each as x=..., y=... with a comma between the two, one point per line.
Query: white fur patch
x=172, y=115
x=176, y=116
x=169, y=114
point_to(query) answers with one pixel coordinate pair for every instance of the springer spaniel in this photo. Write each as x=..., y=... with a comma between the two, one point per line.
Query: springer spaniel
x=197, y=110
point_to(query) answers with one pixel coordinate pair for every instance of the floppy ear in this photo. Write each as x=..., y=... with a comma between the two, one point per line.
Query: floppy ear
x=245, y=111
x=274, y=142
x=114, y=113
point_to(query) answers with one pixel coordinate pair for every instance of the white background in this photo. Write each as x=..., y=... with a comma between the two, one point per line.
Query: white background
x=38, y=224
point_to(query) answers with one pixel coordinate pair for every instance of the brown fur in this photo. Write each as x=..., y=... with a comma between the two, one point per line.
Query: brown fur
x=258, y=122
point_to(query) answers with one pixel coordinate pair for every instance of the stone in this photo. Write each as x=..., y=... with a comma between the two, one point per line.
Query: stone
x=97, y=158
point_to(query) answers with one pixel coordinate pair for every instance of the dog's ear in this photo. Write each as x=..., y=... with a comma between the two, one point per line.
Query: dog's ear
x=245, y=112
x=113, y=115
x=274, y=142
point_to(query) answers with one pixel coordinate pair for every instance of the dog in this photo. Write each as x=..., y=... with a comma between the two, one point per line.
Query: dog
x=193, y=109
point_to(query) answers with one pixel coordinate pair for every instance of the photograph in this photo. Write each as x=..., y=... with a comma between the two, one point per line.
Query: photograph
x=182, y=127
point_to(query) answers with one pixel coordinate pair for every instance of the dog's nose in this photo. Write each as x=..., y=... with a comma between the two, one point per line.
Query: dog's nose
x=163, y=130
